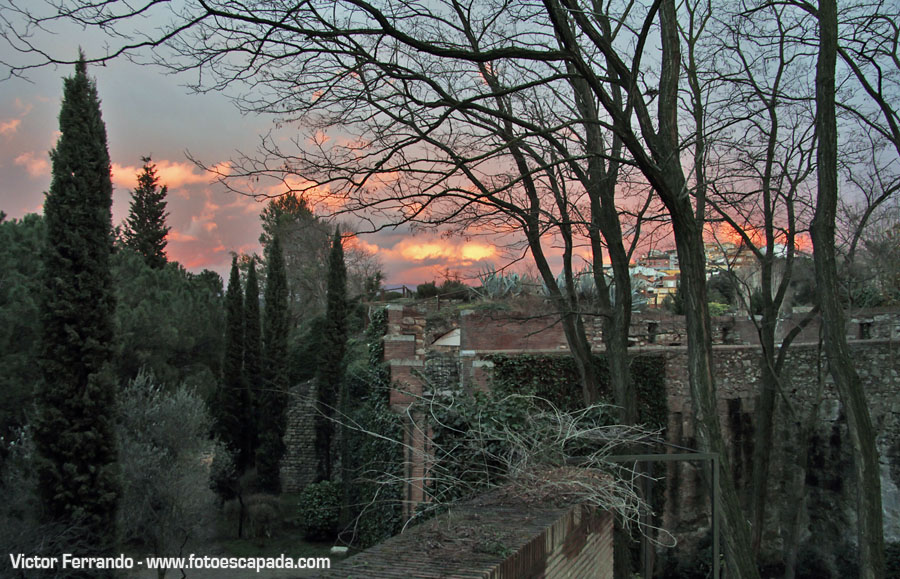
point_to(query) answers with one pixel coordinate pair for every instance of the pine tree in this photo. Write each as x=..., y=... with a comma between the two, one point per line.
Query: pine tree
x=73, y=427
x=146, y=229
x=275, y=368
x=252, y=359
x=331, y=359
x=229, y=406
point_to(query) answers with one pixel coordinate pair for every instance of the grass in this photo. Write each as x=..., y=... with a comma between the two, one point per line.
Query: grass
x=287, y=537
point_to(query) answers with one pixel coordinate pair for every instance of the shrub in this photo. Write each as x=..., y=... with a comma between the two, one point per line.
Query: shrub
x=892, y=560
x=320, y=509
x=426, y=290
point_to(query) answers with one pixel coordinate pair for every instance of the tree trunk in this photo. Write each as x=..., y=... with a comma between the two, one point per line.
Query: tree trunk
x=736, y=533
x=762, y=440
x=847, y=382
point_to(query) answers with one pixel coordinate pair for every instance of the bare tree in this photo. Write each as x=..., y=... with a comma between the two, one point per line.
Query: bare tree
x=764, y=161
x=840, y=362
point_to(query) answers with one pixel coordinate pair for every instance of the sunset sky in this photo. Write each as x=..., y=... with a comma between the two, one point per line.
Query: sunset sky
x=149, y=113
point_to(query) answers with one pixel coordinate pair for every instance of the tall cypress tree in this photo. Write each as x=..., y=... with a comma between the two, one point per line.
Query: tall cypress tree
x=230, y=401
x=252, y=360
x=273, y=398
x=331, y=358
x=145, y=228
x=73, y=427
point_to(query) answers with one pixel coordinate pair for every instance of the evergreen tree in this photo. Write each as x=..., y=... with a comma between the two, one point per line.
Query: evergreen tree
x=252, y=358
x=76, y=400
x=230, y=404
x=145, y=228
x=273, y=399
x=331, y=359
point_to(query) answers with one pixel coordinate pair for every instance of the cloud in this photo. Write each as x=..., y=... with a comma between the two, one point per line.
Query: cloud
x=36, y=167
x=452, y=251
x=174, y=174
x=9, y=128
x=417, y=259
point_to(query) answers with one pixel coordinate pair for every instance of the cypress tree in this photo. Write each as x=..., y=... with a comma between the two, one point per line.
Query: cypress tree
x=229, y=405
x=252, y=360
x=275, y=370
x=331, y=358
x=75, y=400
x=145, y=228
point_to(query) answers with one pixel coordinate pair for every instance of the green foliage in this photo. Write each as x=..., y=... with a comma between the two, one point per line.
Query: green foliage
x=718, y=309
x=757, y=302
x=73, y=428
x=22, y=529
x=373, y=482
x=231, y=404
x=426, y=290
x=331, y=360
x=555, y=379
x=304, y=240
x=304, y=349
x=163, y=437
x=465, y=465
x=273, y=398
x=169, y=322
x=497, y=284
x=253, y=374
x=892, y=560
x=145, y=228
x=453, y=289
x=674, y=303
x=319, y=509
x=20, y=329
x=722, y=289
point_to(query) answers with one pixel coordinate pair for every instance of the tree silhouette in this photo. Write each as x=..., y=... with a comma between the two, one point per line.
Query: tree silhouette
x=145, y=227
x=73, y=428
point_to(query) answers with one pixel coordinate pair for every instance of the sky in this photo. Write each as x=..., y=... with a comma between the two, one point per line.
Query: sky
x=149, y=113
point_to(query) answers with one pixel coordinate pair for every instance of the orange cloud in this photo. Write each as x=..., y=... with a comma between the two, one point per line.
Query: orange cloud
x=451, y=251
x=36, y=167
x=174, y=174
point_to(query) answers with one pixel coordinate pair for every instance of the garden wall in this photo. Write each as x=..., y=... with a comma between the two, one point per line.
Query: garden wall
x=494, y=537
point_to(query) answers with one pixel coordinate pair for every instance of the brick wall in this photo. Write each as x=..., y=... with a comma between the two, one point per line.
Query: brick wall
x=497, y=538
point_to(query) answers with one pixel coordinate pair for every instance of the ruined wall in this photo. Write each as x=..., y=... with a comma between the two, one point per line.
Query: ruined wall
x=826, y=516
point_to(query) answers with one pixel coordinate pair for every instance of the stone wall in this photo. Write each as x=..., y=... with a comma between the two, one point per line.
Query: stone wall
x=826, y=516
x=497, y=539
x=298, y=466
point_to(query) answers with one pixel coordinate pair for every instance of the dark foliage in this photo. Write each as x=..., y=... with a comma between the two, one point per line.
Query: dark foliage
x=145, y=228
x=169, y=322
x=426, y=290
x=73, y=427
x=273, y=398
x=320, y=507
x=331, y=360
x=674, y=303
x=253, y=373
x=230, y=403
x=20, y=329
x=372, y=456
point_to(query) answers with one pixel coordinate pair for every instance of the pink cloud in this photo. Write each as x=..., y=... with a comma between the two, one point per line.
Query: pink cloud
x=179, y=237
x=36, y=167
x=174, y=174
x=9, y=128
